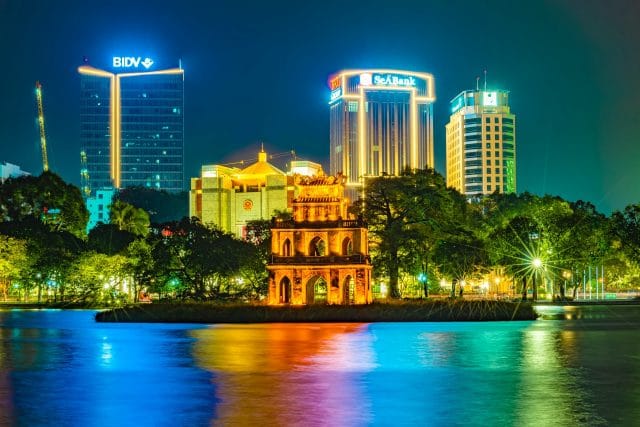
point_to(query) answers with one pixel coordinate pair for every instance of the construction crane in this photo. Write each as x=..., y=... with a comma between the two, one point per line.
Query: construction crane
x=84, y=175
x=43, y=139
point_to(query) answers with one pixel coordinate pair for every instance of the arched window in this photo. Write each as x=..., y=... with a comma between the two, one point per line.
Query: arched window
x=285, y=290
x=349, y=291
x=316, y=290
x=317, y=247
x=286, y=248
x=347, y=246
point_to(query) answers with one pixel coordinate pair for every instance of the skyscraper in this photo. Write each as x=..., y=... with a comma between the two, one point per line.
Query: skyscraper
x=381, y=122
x=481, y=143
x=132, y=125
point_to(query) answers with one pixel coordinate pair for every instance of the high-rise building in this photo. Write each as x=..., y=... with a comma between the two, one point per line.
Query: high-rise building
x=481, y=143
x=132, y=125
x=381, y=122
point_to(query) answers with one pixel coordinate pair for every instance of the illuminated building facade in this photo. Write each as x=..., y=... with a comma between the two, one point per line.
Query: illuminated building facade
x=321, y=256
x=481, y=143
x=8, y=170
x=132, y=125
x=228, y=197
x=381, y=122
x=98, y=206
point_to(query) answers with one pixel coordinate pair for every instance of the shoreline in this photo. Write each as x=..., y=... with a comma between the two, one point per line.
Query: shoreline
x=424, y=311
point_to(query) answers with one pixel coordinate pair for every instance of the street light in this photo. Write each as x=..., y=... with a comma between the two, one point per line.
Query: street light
x=536, y=263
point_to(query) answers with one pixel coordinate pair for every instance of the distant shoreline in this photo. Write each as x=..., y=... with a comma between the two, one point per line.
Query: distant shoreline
x=420, y=311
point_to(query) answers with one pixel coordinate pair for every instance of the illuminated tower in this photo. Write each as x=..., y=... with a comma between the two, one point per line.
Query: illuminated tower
x=381, y=122
x=132, y=125
x=321, y=255
x=481, y=143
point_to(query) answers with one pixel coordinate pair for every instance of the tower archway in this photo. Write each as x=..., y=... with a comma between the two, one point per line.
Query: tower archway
x=285, y=290
x=317, y=290
x=317, y=247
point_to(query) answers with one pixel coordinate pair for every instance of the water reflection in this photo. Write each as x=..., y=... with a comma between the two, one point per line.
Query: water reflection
x=61, y=368
x=288, y=374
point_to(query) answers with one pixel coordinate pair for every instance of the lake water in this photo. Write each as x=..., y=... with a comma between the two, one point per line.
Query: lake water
x=61, y=368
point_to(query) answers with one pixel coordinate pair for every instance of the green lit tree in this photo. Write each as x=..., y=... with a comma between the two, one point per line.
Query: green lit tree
x=13, y=262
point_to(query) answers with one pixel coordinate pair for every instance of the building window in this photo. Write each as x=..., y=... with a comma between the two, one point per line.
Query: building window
x=496, y=120
x=497, y=154
x=487, y=119
x=488, y=171
x=488, y=162
x=488, y=153
x=497, y=188
x=497, y=145
x=487, y=128
x=496, y=128
x=488, y=145
x=488, y=188
x=353, y=106
x=488, y=137
x=488, y=179
x=497, y=170
x=497, y=162
x=497, y=179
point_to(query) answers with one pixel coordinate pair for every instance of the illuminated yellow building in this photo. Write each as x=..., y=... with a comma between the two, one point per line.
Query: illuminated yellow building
x=380, y=123
x=321, y=256
x=481, y=143
x=229, y=197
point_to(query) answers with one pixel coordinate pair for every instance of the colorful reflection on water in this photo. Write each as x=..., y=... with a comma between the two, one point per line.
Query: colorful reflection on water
x=61, y=368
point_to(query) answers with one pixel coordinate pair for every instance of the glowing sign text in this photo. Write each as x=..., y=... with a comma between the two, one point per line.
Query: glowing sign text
x=131, y=61
x=393, y=80
x=335, y=94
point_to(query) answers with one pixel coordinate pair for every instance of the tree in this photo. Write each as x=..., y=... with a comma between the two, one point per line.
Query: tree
x=129, y=218
x=625, y=227
x=46, y=197
x=460, y=256
x=109, y=239
x=13, y=261
x=198, y=257
x=407, y=216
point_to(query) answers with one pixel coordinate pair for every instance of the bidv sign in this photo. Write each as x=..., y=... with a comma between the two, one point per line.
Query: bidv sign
x=131, y=62
x=393, y=80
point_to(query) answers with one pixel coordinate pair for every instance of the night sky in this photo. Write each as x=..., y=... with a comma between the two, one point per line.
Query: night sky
x=257, y=71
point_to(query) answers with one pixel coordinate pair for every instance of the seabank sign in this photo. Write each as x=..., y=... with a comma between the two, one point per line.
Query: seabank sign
x=131, y=62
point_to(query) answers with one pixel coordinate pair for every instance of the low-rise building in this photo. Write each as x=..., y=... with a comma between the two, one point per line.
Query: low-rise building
x=228, y=197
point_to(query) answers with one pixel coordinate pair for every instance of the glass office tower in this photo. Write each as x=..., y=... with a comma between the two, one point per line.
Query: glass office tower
x=132, y=128
x=381, y=122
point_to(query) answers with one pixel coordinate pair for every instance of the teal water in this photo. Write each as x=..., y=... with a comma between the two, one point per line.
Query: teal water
x=575, y=366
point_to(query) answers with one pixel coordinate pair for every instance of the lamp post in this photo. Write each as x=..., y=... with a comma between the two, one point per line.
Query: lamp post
x=422, y=278
x=536, y=263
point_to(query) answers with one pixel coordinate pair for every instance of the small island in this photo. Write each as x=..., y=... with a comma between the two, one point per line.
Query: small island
x=445, y=310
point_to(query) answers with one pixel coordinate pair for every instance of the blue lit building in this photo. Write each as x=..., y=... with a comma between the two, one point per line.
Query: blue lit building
x=132, y=126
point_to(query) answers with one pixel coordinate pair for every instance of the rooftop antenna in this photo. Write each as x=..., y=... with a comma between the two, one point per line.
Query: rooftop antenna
x=477, y=83
x=485, y=79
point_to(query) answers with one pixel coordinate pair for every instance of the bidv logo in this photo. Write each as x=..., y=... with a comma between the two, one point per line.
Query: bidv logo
x=131, y=61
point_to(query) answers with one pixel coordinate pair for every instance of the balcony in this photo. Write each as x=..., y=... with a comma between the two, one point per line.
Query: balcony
x=341, y=223
x=319, y=260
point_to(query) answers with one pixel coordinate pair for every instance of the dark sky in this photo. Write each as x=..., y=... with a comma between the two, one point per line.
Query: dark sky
x=257, y=71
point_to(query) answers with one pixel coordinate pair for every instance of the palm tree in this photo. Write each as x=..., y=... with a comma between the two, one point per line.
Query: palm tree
x=129, y=218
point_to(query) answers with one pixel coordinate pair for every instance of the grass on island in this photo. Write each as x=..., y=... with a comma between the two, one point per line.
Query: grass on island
x=414, y=311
